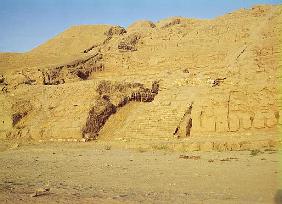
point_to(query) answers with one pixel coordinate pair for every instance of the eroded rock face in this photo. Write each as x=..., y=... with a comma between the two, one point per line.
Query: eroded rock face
x=141, y=26
x=116, y=30
x=21, y=109
x=229, y=67
x=169, y=22
x=77, y=70
x=110, y=33
x=113, y=96
x=97, y=117
x=53, y=76
x=129, y=43
x=228, y=113
x=81, y=69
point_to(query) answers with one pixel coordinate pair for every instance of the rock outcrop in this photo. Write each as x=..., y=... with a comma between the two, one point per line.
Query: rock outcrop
x=141, y=26
x=129, y=43
x=179, y=77
x=113, y=96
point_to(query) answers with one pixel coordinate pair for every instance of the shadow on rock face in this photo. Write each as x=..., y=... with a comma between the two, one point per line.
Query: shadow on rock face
x=278, y=197
x=105, y=107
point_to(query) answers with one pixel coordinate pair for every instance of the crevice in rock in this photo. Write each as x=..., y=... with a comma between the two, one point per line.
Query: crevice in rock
x=239, y=55
x=91, y=48
x=185, y=124
x=228, y=110
x=113, y=96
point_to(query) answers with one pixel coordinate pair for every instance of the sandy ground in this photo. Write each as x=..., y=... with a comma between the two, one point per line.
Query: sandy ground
x=93, y=173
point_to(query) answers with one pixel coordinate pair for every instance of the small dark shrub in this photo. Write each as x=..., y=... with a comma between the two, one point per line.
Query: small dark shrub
x=186, y=71
x=155, y=87
x=82, y=75
x=255, y=152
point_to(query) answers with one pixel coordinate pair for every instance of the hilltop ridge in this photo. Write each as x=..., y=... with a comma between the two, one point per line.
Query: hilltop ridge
x=212, y=82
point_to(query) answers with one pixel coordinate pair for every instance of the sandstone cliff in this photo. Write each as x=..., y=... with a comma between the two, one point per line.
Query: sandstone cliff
x=177, y=78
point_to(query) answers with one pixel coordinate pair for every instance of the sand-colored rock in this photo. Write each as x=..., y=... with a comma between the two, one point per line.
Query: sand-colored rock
x=142, y=26
x=227, y=69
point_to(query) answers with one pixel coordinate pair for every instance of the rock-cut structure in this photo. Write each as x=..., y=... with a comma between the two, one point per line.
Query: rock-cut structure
x=202, y=80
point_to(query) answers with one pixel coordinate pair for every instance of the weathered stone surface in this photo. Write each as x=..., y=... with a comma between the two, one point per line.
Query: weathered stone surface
x=271, y=120
x=259, y=121
x=234, y=123
x=104, y=107
x=207, y=146
x=246, y=121
x=196, y=122
x=115, y=30
x=232, y=80
x=166, y=23
x=141, y=26
x=221, y=125
x=129, y=43
x=233, y=146
x=219, y=146
x=208, y=123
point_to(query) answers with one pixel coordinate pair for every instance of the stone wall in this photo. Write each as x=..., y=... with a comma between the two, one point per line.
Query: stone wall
x=234, y=112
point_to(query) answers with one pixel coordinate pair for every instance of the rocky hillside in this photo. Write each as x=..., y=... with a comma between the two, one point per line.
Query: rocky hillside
x=177, y=78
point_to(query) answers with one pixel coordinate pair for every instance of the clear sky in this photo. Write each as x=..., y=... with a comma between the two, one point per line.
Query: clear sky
x=24, y=24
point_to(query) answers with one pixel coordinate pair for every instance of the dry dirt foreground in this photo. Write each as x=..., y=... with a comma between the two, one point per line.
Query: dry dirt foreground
x=103, y=173
x=181, y=110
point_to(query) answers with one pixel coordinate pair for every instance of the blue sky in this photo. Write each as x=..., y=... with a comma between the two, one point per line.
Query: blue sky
x=25, y=24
